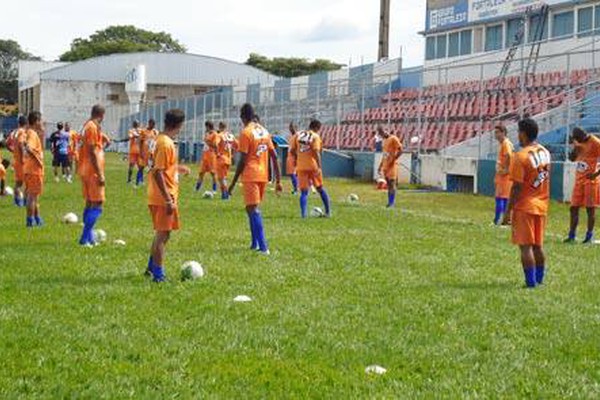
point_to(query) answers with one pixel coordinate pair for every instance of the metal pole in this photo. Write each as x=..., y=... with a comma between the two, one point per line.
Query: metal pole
x=481, y=114
x=446, y=114
x=389, y=118
x=362, y=115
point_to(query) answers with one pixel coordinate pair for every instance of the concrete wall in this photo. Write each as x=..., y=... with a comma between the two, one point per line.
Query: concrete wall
x=404, y=166
x=435, y=169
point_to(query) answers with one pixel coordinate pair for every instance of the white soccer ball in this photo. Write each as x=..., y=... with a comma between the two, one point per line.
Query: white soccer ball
x=317, y=212
x=208, y=195
x=415, y=140
x=70, y=219
x=119, y=242
x=9, y=191
x=242, y=299
x=100, y=235
x=353, y=198
x=191, y=270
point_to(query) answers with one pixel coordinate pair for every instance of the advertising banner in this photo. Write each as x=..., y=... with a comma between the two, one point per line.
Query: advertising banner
x=445, y=14
x=481, y=10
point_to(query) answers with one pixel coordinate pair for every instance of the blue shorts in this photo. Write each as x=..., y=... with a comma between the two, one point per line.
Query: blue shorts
x=61, y=160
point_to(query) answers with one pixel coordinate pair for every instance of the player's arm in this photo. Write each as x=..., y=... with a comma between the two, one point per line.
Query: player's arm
x=514, y=195
x=94, y=153
x=159, y=176
x=277, y=170
x=238, y=171
x=294, y=153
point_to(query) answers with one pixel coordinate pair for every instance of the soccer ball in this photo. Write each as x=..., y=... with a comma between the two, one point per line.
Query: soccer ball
x=191, y=270
x=70, y=218
x=317, y=213
x=100, y=235
x=415, y=140
x=9, y=191
x=120, y=242
x=353, y=198
x=208, y=195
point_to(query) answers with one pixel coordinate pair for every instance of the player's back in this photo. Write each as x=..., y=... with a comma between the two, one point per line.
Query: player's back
x=255, y=142
x=588, y=153
x=391, y=146
x=90, y=136
x=307, y=143
x=531, y=168
x=33, y=158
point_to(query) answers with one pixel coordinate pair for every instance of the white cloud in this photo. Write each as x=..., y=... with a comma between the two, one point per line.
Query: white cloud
x=333, y=31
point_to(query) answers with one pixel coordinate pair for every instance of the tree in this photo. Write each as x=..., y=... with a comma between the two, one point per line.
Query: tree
x=10, y=54
x=291, y=67
x=121, y=39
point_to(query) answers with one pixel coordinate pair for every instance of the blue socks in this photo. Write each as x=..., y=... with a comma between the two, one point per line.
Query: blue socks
x=90, y=216
x=391, y=199
x=326, y=204
x=30, y=222
x=158, y=273
x=224, y=195
x=139, y=179
x=214, y=187
x=254, y=245
x=589, y=237
x=539, y=274
x=501, y=205
x=294, y=178
x=259, y=231
x=530, y=277
x=198, y=186
x=304, y=203
x=38, y=220
x=572, y=235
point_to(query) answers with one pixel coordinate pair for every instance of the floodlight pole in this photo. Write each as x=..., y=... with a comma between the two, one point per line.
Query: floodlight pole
x=384, y=30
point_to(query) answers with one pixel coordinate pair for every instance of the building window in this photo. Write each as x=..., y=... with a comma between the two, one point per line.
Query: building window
x=597, y=19
x=534, y=26
x=493, y=38
x=585, y=21
x=430, y=48
x=159, y=98
x=198, y=92
x=514, y=32
x=441, y=46
x=465, y=42
x=563, y=24
x=453, y=44
x=112, y=97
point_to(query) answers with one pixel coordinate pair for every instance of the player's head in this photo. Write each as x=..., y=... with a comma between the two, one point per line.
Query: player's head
x=222, y=126
x=34, y=119
x=22, y=121
x=579, y=134
x=5, y=163
x=67, y=126
x=174, y=120
x=98, y=112
x=209, y=125
x=528, y=131
x=315, y=125
x=136, y=124
x=500, y=132
x=293, y=128
x=60, y=126
x=382, y=132
x=247, y=113
x=151, y=123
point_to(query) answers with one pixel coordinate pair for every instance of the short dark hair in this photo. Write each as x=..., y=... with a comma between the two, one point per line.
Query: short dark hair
x=34, y=117
x=22, y=120
x=530, y=128
x=60, y=126
x=98, y=111
x=5, y=163
x=222, y=125
x=247, y=112
x=501, y=128
x=314, y=125
x=578, y=131
x=151, y=121
x=209, y=125
x=174, y=118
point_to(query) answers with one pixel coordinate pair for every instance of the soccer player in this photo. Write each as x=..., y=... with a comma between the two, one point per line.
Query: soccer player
x=529, y=201
x=134, y=152
x=209, y=157
x=586, y=192
x=227, y=145
x=53, y=149
x=91, y=170
x=74, y=140
x=163, y=192
x=392, y=150
x=306, y=149
x=3, y=166
x=60, y=150
x=502, y=179
x=148, y=143
x=290, y=165
x=33, y=168
x=15, y=145
x=256, y=149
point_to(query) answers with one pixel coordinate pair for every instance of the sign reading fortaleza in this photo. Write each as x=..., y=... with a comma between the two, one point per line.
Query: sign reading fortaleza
x=481, y=10
x=446, y=14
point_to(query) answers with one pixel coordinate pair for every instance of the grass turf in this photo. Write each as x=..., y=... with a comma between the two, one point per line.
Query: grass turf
x=430, y=291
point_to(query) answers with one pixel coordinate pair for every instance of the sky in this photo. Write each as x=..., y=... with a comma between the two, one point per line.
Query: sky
x=345, y=31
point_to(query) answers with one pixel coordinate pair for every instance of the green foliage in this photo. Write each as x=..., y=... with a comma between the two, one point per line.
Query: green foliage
x=10, y=54
x=121, y=39
x=429, y=291
x=291, y=67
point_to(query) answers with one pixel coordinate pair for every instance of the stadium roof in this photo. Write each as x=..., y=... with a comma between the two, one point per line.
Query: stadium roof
x=161, y=69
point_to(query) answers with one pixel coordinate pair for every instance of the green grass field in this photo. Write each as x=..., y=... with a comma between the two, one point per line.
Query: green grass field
x=429, y=291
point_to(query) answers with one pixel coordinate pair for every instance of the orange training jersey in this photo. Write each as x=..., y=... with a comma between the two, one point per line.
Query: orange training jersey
x=505, y=153
x=255, y=142
x=149, y=141
x=135, y=137
x=391, y=148
x=530, y=167
x=91, y=136
x=227, y=144
x=74, y=139
x=306, y=144
x=18, y=139
x=165, y=159
x=211, y=141
x=33, y=158
x=588, y=155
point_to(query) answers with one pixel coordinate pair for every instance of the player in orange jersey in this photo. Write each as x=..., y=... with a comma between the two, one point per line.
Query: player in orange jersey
x=4, y=164
x=306, y=150
x=148, y=143
x=290, y=165
x=502, y=178
x=227, y=145
x=163, y=192
x=256, y=150
x=135, y=137
x=15, y=145
x=208, y=163
x=392, y=150
x=74, y=139
x=529, y=201
x=586, y=192
x=91, y=171
x=33, y=168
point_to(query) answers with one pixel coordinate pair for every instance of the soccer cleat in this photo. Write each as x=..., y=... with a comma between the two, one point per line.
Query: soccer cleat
x=39, y=221
x=158, y=274
x=589, y=238
x=569, y=240
x=29, y=223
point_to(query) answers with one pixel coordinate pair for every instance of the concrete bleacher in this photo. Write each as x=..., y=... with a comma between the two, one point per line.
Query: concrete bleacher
x=445, y=115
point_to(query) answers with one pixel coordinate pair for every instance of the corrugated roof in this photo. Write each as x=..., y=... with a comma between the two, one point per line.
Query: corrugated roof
x=161, y=69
